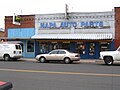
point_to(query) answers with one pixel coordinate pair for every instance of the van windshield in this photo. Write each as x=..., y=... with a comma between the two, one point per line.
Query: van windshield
x=18, y=47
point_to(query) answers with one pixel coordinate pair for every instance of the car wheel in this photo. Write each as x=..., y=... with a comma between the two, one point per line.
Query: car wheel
x=6, y=57
x=67, y=60
x=108, y=61
x=42, y=60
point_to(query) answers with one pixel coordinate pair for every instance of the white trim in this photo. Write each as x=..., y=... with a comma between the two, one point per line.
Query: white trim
x=86, y=36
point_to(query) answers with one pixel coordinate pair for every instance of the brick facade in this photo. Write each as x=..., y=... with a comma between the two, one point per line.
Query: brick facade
x=26, y=21
x=117, y=26
x=1, y=34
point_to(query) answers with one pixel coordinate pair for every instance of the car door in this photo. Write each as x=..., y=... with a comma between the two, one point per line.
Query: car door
x=61, y=54
x=52, y=55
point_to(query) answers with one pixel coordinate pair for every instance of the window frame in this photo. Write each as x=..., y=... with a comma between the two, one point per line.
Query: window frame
x=27, y=46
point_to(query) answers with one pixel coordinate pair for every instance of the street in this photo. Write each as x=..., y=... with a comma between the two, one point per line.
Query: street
x=26, y=75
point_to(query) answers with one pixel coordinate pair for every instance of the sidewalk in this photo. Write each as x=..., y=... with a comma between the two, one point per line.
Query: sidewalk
x=81, y=60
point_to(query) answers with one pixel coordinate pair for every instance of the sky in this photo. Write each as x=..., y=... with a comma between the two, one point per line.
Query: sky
x=26, y=7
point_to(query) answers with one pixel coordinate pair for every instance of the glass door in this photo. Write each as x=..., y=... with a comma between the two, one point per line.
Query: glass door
x=91, y=50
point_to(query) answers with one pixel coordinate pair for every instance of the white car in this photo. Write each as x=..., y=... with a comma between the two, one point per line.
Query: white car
x=58, y=55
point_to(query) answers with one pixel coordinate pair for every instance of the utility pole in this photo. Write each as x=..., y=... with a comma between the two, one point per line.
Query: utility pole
x=66, y=11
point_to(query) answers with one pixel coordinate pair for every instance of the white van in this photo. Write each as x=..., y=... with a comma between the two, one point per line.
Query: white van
x=10, y=51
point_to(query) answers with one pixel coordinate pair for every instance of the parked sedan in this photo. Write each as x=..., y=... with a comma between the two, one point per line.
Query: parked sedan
x=58, y=55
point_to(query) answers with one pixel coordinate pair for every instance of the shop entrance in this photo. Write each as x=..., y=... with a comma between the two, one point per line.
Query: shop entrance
x=91, y=48
x=87, y=49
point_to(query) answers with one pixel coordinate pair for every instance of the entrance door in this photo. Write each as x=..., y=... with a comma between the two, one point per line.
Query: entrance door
x=92, y=51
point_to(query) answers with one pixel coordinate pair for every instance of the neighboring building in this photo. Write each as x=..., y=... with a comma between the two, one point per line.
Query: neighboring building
x=2, y=35
x=22, y=33
x=86, y=33
x=117, y=27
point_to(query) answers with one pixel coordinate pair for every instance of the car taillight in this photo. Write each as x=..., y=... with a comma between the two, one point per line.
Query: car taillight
x=76, y=55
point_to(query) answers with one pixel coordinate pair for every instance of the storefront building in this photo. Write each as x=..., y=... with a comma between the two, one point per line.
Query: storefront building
x=85, y=33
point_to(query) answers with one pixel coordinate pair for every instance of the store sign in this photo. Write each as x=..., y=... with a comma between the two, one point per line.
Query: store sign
x=91, y=24
x=82, y=24
x=57, y=25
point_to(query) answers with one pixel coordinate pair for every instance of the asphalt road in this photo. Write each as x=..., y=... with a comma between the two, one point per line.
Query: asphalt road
x=27, y=75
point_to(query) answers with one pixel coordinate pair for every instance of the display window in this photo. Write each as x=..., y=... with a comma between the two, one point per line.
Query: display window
x=60, y=45
x=65, y=45
x=104, y=46
x=30, y=46
x=92, y=49
x=55, y=46
x=81, y=47
x=44, y=47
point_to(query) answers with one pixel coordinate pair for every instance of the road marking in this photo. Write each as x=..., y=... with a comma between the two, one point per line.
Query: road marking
x=64, y=73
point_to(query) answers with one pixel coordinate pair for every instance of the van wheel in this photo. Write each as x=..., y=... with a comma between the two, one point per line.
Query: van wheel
x=108, y=61
x=6, y=57
x=67, y=60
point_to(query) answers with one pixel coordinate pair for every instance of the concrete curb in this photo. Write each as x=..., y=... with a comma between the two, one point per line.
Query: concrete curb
x=81, y=61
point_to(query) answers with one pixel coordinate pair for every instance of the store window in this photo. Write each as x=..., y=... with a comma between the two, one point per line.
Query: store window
x=60, y=45
x=30, y=46
x=65, y=45
x=81, y=48
x=92, y=49
x=104, y=46
x=55, y=45
x=44, y=47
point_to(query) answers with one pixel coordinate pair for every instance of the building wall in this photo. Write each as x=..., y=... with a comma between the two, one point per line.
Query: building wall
x=21, y=32
x=27, y=21
x=77, y=23
x=2, y=34
x=117, y=27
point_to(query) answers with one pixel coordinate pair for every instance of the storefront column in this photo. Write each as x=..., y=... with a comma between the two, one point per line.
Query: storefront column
x=36, y=48
x=23, y=48
x=112, y=45
x=72, y=46
x=97, y=51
